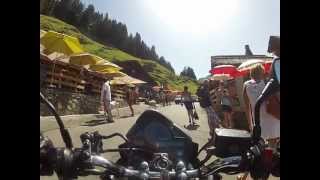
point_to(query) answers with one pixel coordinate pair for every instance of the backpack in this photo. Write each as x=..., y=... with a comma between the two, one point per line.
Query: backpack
x=204, y=99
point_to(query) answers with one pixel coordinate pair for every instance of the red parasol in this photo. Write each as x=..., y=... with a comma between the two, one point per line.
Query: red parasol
x=226, y=69
x=267, y=66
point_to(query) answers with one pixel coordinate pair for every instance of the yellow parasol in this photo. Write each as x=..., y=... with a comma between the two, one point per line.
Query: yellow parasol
x=129, y=80
x=117, y=82
x=42, y=32
x=61, y=44
x=85, y=59
x=41, y=48
x=116, y=74
x=57, y=42
x=105, y=66
x=113, y=73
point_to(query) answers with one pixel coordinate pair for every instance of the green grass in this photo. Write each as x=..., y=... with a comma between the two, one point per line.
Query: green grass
x=159, y=73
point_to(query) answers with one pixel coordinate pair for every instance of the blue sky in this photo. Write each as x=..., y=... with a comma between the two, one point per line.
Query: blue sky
x=189, y=32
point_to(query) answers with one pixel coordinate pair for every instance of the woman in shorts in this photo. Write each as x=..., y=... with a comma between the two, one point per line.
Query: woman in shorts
x=226, y=106
x=188, y=103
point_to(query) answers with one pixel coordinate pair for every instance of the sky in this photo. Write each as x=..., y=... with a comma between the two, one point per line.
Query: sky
x=189, y=32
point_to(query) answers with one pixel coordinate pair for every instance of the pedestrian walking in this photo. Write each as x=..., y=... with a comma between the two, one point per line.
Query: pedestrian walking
x=162, y=97
x=106, y=101
x=167, y=96
x=130, y=98
x=188, y=103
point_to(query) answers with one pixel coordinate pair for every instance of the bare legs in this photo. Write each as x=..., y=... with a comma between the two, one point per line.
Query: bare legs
x=190, y=115
x=107, y=111
x=213, y=119
x=131, y=109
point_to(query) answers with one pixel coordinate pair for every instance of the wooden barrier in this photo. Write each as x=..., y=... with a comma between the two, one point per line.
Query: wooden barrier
x=72, y=77
x=76, y=78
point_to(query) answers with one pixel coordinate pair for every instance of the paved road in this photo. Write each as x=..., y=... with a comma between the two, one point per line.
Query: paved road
x=85, y=123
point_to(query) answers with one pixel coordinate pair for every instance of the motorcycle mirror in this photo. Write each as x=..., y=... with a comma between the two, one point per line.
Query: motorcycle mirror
x=276, y=70
x=63, y=131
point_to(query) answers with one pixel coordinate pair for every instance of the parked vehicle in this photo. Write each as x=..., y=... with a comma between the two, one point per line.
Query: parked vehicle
x=195, y=98
x=177, y=99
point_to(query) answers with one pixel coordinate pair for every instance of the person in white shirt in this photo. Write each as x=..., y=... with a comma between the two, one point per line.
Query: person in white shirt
x=106, y=100
x=270, y=125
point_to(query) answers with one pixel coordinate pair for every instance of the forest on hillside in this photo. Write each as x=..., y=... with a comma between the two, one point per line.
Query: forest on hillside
x=101, y=28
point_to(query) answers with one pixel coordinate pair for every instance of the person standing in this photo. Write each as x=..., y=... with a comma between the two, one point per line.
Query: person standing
x=226, y=106
x=130, y=98
x=136, y=94
x=252, y=89
x=215, y=98
x=270, y=109
x=148, y=95
x=205, y=102
x=188, y=103
x=167, y=98
x=270, y=125
x=162, y=97
x=106, y=101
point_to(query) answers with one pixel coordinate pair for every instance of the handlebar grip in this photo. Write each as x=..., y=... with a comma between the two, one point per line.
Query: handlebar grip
x=102, y=162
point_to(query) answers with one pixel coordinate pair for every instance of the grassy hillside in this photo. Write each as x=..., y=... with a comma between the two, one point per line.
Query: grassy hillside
x=158, y=72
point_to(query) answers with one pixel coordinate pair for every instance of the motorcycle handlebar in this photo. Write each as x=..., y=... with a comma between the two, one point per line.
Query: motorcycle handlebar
x=144, y=173
x=79, y=162
x=227, y=165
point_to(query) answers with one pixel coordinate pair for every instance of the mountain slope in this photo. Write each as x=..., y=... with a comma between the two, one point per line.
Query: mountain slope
x=159, y=73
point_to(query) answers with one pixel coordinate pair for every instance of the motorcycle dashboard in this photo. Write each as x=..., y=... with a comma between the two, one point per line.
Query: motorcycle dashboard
x=161, y=138
x=154, y=131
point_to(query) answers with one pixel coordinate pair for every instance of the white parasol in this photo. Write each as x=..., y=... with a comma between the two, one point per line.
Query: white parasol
x=249, y=64
x=221, y=77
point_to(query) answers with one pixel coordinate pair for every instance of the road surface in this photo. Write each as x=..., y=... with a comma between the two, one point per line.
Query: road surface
x=81, y=124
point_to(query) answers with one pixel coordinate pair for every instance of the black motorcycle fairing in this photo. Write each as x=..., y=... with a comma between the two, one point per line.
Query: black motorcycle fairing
x=156, y=133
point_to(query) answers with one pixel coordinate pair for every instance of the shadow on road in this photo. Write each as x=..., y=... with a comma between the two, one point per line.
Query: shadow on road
x=99, y=116
x=192, y=127
x=95, y=122
x=125, y=116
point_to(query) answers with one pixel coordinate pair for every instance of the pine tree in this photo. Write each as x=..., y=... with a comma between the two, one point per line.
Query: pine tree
x=62, y=9
x=47, y=7
x=75, y=12
x=188, y=72
x=102, y=29
x=154, y=55
x=86, y=17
